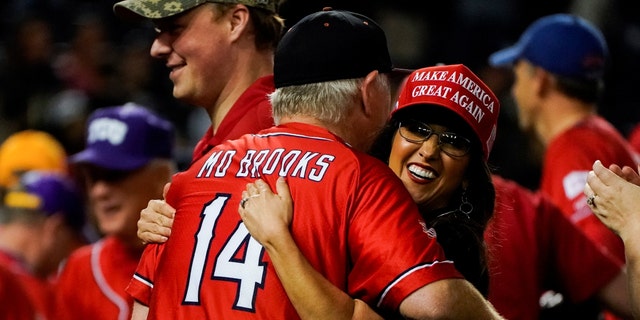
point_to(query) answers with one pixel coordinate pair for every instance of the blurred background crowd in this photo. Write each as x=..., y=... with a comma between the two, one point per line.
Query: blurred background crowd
x=62, y=59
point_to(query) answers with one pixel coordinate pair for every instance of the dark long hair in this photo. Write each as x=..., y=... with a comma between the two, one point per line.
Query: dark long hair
x=460, y=235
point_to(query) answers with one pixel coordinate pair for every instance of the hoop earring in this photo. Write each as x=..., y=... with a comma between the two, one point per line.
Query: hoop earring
x=465, y=206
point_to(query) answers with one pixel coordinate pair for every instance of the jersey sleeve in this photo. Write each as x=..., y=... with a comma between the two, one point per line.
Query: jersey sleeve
x=391, y=251
x=141, y=285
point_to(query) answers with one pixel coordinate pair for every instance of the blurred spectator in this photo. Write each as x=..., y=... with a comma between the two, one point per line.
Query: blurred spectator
x=559, y=65
x=41, y=220
x=126, y=162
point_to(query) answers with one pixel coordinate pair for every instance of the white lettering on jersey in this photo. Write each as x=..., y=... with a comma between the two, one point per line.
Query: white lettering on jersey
x=255, y=163
x=212, y=162
x=573, y=183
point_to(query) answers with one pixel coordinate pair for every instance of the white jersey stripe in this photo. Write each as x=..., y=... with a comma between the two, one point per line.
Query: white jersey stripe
x=122, y=305
x=404, y=275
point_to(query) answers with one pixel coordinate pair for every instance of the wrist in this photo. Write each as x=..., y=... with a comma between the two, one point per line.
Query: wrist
x=280, y=242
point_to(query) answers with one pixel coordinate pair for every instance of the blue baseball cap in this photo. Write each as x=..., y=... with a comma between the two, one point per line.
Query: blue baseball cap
x=562, y=44
x=50, y=193
x=125, y=137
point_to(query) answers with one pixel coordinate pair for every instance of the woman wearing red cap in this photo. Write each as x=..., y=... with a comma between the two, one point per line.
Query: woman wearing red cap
x=447, y=177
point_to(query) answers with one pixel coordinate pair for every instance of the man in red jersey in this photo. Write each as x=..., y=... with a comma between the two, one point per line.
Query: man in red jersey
x=531, y=243
x=41, y=216
x=558, y=64
x=126, y=163
x=220, y=57
x=355, y=221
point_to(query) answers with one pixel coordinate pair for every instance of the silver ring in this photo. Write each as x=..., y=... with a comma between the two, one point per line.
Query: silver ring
x=243, y=201
x=591, y=201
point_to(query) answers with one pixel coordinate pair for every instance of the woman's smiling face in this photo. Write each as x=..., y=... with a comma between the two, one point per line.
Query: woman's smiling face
x=430, y=175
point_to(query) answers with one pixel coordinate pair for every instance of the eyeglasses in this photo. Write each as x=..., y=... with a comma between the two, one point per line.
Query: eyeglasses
x=449, y=142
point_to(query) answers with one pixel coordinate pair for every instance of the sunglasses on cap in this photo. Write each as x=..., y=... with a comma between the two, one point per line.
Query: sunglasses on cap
x=450, y=143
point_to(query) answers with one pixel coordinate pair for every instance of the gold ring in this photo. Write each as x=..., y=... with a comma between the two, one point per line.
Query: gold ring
x=243, y=201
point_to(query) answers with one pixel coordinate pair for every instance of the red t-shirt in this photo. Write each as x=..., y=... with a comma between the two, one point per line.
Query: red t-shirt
x=533, y=248
x=93, y=281
x=568, y=160
x=39, y=291
x=16, y=304
x=249, y=114
x=353, y=220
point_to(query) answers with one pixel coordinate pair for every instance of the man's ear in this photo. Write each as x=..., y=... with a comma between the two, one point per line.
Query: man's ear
x=370, y=92
x=543, y=81
x=239, y=17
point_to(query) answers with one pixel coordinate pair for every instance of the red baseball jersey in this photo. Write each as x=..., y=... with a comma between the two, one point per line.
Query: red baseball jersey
x=568, y=160
x=249, y=114
x=353, y=219
x=93, y=281
x=39, y=291
x=533, y=248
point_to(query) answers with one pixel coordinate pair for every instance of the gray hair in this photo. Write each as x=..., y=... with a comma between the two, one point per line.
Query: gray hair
x=329, y=101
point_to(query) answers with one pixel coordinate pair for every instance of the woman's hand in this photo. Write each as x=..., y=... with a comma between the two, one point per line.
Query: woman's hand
x=266, y=215
x=615, y=197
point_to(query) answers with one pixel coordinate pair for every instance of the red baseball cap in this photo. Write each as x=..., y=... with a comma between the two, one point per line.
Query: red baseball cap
x=456, y=88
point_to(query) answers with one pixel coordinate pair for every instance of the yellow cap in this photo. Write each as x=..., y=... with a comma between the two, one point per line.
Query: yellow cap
x=30, y=150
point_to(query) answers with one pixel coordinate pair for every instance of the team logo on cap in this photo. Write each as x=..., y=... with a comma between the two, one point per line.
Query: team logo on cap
x=107, y=129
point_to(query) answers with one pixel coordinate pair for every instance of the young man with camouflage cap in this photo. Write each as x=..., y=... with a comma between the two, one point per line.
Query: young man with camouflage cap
x=220, y=57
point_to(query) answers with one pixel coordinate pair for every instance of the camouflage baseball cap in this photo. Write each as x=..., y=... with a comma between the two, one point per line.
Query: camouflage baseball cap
x=157, y=9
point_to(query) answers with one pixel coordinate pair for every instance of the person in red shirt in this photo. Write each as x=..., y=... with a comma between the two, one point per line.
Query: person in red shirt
x=327, y=105
x=531, y=243
x=559, y=65
x=40, y=219
x=127, y=161
x=231, y=79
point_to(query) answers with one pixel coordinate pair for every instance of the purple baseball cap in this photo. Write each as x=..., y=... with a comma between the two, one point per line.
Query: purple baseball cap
x=563, y=44
x=49, y=192
x=125, y=138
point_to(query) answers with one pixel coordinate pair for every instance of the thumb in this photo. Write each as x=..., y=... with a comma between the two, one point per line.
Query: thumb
x=282, y=188
x=165, y=190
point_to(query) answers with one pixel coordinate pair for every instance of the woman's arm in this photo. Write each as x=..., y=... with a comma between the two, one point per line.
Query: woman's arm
x=267, y=217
